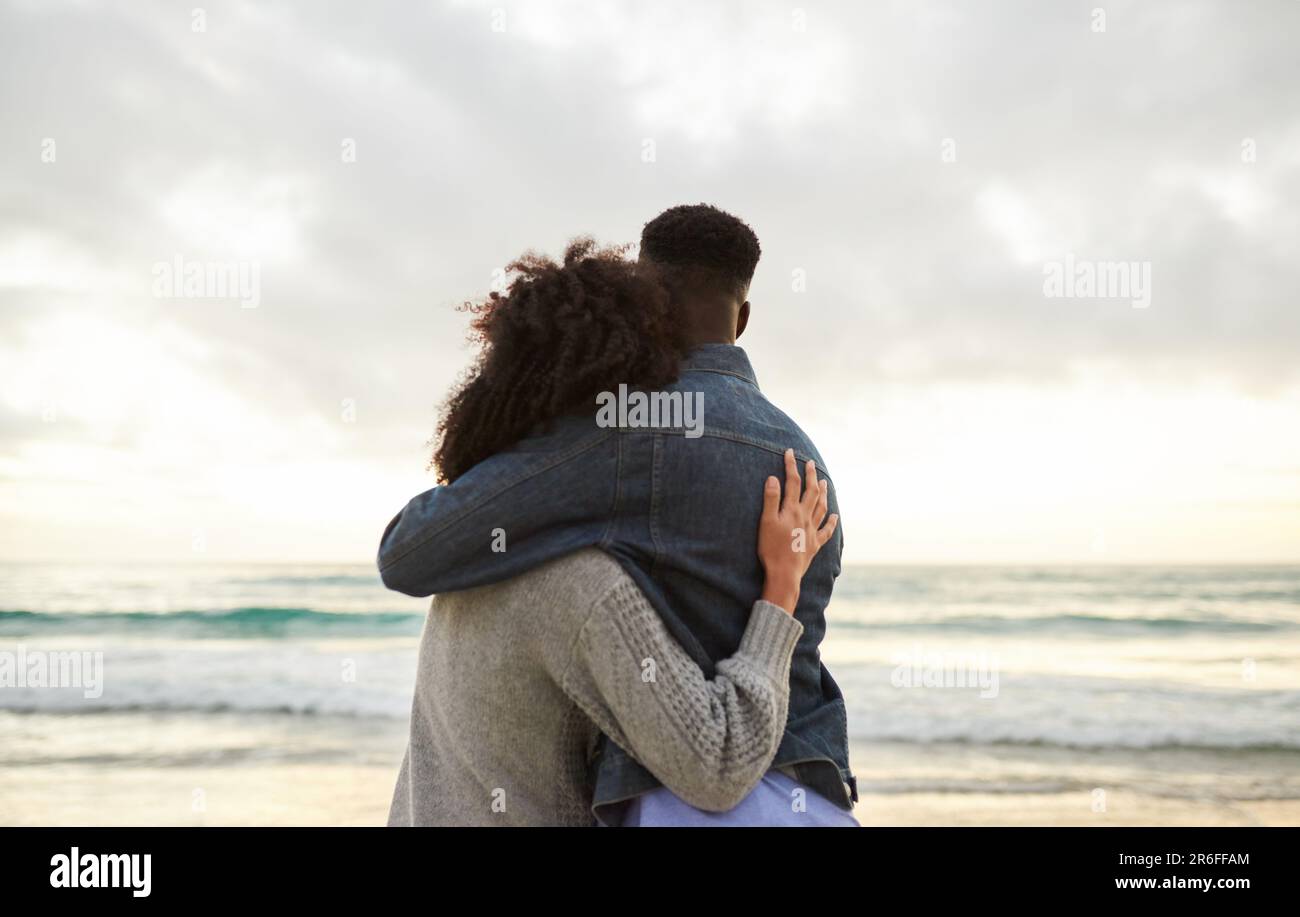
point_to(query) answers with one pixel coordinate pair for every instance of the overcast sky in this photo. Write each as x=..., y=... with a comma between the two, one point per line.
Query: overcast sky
x=911, y=169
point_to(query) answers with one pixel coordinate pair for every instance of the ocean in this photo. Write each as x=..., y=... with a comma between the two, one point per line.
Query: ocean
x=278, y=694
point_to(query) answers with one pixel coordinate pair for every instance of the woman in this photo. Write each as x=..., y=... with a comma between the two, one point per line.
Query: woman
x=517, y=680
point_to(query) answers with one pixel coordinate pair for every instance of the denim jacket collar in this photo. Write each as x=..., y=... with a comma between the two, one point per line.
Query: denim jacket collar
x=727, y=359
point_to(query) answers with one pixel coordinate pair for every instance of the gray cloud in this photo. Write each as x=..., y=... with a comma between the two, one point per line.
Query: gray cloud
x=473, y=145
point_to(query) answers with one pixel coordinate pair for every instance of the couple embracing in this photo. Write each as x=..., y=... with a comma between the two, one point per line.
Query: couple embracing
x=628, y=614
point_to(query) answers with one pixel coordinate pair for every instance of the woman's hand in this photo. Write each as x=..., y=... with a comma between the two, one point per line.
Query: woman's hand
x=791, y=533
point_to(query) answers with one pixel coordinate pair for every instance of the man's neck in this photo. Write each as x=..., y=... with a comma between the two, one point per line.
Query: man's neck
x=709, y=321
x=701, y=340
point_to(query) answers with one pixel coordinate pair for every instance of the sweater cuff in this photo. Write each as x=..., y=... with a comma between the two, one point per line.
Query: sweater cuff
x=770, y=638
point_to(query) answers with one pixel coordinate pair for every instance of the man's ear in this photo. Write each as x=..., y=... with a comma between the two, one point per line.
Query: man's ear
x=742, y=319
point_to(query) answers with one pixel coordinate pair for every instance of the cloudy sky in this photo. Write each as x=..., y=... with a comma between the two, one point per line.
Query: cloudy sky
x=912, y=169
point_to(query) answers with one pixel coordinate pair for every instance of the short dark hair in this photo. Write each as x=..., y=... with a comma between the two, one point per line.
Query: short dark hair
x=704, y=246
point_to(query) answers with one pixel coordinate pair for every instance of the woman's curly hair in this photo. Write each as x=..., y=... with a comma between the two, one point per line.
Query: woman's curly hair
x=560, y=335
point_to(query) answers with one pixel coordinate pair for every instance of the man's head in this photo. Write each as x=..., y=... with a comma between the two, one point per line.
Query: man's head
x=706, y=259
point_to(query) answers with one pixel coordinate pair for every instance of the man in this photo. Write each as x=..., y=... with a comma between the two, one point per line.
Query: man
x=664, y=501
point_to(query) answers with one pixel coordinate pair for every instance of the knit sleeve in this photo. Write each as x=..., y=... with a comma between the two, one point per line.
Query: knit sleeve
x=709, y=741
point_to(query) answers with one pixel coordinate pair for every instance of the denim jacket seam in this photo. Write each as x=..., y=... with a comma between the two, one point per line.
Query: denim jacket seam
x=758, y=444
x=606, y=538
x=844, y=722
x=655, y=457
x=414, y=545
x=721, y=372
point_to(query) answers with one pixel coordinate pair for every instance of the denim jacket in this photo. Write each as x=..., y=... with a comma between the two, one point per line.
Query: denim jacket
x=679, y=511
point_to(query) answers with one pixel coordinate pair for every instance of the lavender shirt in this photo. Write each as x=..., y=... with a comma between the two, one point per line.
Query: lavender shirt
x=771, y=804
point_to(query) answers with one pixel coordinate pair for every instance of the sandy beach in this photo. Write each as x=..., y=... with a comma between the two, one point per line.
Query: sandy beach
x=268, y=770
x=1073, y=787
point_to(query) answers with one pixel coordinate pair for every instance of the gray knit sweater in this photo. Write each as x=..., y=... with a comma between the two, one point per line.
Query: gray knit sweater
x=517, y=680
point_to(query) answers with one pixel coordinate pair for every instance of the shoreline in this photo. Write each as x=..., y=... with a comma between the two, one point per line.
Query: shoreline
x=224, y=769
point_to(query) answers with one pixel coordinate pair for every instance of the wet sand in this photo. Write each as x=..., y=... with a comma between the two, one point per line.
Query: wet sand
x=236, y=769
